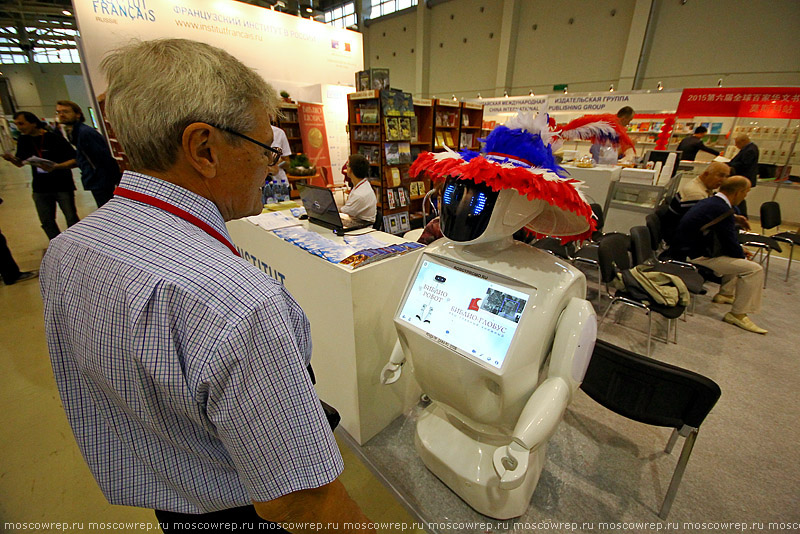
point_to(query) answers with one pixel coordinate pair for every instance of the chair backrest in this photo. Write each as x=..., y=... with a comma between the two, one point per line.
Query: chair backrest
x=770, y=215
x=378, y=224
x=613, y=255
x=641, y=248
x=647, y=390
x=653, y=222
x=554, y=246
x=597, y=209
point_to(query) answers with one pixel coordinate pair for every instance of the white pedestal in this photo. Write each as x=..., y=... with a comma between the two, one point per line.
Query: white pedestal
x=350, y=312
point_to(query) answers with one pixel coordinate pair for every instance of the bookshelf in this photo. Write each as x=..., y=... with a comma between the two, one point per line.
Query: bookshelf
x=471, y=126
x=446, y=124
x=289, y=123
x=383, y=126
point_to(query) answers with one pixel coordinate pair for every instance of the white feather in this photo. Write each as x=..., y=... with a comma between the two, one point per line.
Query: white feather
x=593, y=129
x=533, y=123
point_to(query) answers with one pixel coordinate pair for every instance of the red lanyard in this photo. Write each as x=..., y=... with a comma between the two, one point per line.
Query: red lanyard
x=178, y=212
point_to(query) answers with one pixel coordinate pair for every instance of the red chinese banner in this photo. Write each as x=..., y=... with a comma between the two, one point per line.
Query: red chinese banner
x=315, y=138
x=763, y=102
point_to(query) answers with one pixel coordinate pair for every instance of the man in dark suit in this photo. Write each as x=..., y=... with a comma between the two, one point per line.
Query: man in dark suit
x=742, y=279
x=745, y=163
x=692, y=144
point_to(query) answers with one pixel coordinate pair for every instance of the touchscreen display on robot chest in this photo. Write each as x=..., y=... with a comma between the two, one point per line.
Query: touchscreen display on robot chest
x=475, y=315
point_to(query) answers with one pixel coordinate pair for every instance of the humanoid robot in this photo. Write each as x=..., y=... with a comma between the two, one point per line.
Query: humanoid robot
x=498, y=333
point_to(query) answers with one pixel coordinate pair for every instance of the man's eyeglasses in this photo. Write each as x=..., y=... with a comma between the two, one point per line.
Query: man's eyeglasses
x=274, y=154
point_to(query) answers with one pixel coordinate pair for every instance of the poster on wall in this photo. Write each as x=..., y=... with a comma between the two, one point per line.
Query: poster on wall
x=315, y=139
x=765, y=102
x=283, y=49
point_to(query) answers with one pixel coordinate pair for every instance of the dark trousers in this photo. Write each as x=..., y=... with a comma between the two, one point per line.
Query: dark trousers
x=8, y=267
x=46, y=208
x=216, y=522
x=101, y=196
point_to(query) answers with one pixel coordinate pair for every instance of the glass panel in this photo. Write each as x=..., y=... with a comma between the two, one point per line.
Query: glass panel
x=327, y=16
x=350, y=20
x=403, y=4
x=337, y=13
x=349, y=9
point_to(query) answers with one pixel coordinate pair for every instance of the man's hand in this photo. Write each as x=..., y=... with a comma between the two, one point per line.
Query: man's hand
x=13, y=159
x=747, y=254
x=742, y=222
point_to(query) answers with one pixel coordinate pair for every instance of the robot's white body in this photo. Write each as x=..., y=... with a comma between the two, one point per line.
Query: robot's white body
x=499, y=336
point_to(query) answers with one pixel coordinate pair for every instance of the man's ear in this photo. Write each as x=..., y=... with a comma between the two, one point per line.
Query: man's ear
x=200, y=145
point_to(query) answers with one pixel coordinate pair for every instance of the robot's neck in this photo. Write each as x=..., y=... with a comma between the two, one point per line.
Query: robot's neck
x=489, y=248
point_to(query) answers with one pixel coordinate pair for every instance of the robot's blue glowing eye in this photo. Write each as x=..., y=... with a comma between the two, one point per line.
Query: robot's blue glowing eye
x=477, y=203
x=448, y=194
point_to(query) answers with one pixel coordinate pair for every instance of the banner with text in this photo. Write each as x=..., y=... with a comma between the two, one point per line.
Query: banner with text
x=764, y=102
x=315, y=140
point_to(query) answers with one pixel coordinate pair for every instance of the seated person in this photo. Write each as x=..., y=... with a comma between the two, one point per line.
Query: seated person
x=742, y=279
x=690, y=193
x=361, y=204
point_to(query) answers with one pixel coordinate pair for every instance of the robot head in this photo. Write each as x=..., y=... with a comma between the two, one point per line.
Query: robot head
x=513, y=182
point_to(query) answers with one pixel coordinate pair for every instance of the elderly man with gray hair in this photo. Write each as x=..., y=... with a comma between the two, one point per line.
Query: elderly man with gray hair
x=745, y=163
x=742, y=279
x=182, y=368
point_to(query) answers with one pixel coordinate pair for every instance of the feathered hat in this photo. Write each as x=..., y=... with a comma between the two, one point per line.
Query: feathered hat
x=519, y=155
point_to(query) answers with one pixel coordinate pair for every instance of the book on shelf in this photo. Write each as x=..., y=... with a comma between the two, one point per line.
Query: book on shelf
x=466, y=139
x=372, y=153
x=414, y=188
x=402, y=198
x=464, y=119
x=404, y=150
x=397, y=103
x=393, y=176
x=413, y=134
x=405, y=128
x=402, y=222
x=421, y=188
x=448, y=139
x=439, y=139
x=392, y=151
x=369, y=112
x=393, y=128
x=390, y=199
x=391, y=223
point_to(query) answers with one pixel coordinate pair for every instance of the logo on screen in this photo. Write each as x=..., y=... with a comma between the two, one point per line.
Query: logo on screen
x=473, y=304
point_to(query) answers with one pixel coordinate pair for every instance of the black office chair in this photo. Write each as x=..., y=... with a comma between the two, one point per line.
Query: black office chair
x=587, y=254
x=643, y=252
x=764, y=244
x=771, y=218
x=654, y=393
x=614, y=257
x=378, y=224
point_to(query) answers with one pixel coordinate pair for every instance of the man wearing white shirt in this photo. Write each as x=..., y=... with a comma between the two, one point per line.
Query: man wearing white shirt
x=279, y=140
x=361, y=204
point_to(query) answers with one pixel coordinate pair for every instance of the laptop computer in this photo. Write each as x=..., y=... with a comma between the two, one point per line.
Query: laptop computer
x=321, y=209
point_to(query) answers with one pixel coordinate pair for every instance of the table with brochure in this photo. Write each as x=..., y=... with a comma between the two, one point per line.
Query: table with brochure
x=350, y=308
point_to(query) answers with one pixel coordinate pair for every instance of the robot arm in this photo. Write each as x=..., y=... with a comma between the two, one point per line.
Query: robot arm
x=391, y=371
x=572, y=349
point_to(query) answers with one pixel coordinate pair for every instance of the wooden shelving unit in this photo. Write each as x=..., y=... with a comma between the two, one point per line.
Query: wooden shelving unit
x=471, y=126
x=383, y=134
x=446, y=124
x=290, y=125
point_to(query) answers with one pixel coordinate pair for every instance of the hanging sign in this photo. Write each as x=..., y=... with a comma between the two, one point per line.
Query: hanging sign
x=763, y=102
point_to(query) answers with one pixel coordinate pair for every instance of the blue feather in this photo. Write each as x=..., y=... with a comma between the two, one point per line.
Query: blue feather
x=522, y=144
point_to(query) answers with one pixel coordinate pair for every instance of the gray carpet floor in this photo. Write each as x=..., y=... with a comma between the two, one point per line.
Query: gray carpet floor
x=605, y=473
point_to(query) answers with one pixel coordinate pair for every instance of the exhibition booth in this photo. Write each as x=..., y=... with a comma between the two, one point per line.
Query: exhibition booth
x=370, y=296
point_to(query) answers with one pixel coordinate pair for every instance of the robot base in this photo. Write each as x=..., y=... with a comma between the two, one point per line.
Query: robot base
x=465, y=465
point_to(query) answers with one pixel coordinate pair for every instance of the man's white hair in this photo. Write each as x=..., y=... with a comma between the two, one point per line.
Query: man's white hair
x=157, y=88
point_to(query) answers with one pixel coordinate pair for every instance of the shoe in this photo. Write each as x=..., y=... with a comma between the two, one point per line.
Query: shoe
x=744, y=323
x=27, y=275
x=719, y=298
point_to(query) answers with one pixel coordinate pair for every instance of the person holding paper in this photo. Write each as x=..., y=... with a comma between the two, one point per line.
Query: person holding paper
x=361, y=203
x=692, y=144
x=42, y=149
x=100, y=172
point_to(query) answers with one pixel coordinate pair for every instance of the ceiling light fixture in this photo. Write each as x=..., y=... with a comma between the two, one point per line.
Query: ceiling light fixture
x=611, y=88
x=454, y=98
x=480, y=97
x=66, y=12
x=531, y=93
x=505, y=94
x=660, y=86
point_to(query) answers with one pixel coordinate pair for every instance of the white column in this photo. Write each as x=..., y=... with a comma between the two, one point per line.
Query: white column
x=422, y=58
x=508, y=46
x=635, y=46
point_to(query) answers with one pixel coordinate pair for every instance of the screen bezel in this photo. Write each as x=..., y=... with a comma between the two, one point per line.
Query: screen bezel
x=490, y=276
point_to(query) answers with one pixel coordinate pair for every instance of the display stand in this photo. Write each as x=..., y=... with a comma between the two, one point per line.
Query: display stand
x=350, y=312
x=390, y=137
x=596, y=181
x=629, y=203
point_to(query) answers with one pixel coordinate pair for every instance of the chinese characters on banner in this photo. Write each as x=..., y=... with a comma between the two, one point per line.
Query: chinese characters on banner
x=763, y=102
x=315, y=139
